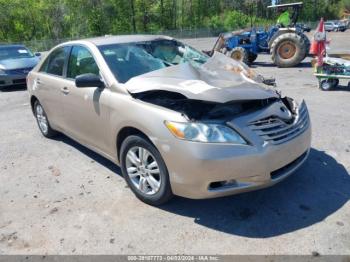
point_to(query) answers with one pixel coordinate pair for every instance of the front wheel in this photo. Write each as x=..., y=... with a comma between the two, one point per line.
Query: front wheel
x=145, y=171
x=239, y=54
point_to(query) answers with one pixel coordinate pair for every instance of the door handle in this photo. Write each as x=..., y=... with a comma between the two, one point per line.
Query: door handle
x=65, y=90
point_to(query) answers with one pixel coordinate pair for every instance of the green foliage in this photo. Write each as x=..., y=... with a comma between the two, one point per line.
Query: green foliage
x=235, y=20
x=33, y=20
x=215, y=22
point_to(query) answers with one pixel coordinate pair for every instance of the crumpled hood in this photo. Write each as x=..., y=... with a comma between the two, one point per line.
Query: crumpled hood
x=221, y=79
x=9, y=64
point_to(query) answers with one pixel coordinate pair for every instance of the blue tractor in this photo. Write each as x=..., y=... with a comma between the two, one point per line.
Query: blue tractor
x=288, y=45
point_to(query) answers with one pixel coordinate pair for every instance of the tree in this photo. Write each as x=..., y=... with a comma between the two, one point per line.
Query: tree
x=56, y=19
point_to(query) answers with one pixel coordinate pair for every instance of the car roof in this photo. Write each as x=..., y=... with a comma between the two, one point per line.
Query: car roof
x=9, y=45
x=112, y=39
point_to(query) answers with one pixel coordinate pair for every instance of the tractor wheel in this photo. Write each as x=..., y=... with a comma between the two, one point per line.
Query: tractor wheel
x=307, y=44
x=239, y=54
x=252, y=57
x=288, y=50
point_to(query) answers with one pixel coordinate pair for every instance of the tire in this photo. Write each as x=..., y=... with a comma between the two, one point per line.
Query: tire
x=288, y=50
x=239, y=54
x=328, y=84
x=252, y=57
x=307, y=44
x=152, y=188
x=43, y=121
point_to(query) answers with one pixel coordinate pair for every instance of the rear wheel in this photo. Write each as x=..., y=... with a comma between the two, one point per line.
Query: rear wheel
x=239, y=54
x=307, y=44
x=288, y=50
x=43, y=121
x=145, y=171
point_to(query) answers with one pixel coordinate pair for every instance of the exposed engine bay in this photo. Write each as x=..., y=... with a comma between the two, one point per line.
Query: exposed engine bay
x=205, y=110
x=219, y=89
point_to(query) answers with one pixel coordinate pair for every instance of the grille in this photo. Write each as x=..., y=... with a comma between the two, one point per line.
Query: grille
x=275, y=130
x=20, y=71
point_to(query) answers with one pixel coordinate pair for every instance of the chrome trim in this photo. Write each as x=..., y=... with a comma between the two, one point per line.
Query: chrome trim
x=276, y=131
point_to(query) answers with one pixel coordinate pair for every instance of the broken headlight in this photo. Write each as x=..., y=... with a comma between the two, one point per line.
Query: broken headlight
x=202, y=132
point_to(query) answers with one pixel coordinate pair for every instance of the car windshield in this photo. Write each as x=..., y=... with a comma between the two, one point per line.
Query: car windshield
x=15, y=52
x=133, y=59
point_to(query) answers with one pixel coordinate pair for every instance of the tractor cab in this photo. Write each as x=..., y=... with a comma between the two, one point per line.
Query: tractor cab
x=284, y=9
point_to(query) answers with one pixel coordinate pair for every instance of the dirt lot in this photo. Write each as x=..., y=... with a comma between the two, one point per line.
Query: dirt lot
x=57, y=197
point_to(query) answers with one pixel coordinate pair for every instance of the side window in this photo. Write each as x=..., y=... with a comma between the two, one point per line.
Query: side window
x=81, y=62
x=54, y=63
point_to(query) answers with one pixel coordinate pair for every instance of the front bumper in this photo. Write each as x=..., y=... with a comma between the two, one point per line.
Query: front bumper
x=11, y=80
x=200, y=170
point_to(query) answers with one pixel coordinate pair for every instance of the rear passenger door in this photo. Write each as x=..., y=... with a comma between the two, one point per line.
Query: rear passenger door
x=49, y=84
x=85, y=108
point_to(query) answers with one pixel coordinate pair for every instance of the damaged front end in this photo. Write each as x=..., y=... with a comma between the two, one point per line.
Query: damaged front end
x=199, y=110
x=273, y=120
x=219, y=89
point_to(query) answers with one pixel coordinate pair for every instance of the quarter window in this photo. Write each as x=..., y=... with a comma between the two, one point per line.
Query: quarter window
x=81, y=62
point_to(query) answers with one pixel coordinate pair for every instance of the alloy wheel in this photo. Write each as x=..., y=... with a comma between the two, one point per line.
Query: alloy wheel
x=42, y=120
x=143, y=170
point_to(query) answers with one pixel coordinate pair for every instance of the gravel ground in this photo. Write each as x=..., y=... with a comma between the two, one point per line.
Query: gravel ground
x=58, y=197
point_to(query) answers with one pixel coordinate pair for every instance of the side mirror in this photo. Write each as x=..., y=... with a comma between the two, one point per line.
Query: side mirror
x=89, y=80
x=37, y=54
